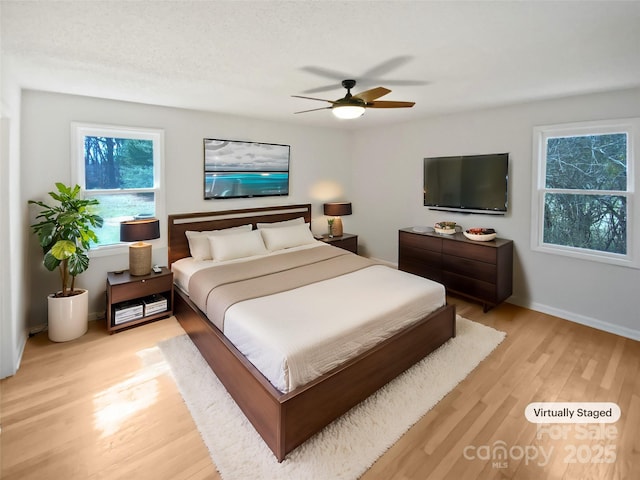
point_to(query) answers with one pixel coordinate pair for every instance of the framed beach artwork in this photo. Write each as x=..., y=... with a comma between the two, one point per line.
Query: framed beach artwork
x=237, y=169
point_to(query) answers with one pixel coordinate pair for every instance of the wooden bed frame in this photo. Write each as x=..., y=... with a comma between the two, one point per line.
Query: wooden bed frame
x=286, y=420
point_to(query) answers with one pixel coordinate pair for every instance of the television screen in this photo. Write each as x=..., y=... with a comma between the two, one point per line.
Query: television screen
x=234, y=169
x=471, y=184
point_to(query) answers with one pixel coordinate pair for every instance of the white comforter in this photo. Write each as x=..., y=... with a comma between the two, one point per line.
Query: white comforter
x=294, y=336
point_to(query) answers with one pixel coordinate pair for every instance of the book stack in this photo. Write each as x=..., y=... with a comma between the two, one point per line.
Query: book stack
x=127, y=311
x=154, y=304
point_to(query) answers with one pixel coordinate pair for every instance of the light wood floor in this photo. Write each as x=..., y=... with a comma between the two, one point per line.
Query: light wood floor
x=104, y=407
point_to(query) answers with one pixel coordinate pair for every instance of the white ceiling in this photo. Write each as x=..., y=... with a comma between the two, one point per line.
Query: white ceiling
x=249, y=57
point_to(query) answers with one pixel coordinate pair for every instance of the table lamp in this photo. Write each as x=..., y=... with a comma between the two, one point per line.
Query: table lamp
x=139, y=252
x=337, y=210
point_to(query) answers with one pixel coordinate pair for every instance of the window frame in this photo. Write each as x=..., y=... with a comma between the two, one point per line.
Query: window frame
x=79, y=131
x=630, y=126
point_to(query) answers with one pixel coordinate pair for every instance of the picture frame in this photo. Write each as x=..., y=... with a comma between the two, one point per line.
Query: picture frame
x=242, y=169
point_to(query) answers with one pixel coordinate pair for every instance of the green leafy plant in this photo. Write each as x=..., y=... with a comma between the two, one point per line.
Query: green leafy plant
x=65, y=234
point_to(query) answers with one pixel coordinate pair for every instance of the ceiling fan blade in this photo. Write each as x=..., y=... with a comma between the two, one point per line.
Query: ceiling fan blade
x=312, y=98
x=325, y=72
x=370, y=77
x=403, y=83
x=314, y=109
x=366, y=82
x=387, y=66
x=370, y=95
x=325, y=88
x=390, y=104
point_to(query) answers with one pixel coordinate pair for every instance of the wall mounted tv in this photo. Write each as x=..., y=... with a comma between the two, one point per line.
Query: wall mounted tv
x=467, y=184
x=235, y=169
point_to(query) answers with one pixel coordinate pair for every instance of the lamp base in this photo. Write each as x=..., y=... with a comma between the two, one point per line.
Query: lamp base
x=336, y=228
x=140, y=259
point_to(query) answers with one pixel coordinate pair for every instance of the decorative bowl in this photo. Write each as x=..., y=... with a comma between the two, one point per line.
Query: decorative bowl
x=445, y=231
x=445, y=228
x=480, y=234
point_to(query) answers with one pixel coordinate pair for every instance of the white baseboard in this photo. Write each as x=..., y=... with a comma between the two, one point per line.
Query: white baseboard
x=6, y=372
x=42, y=327
x=577, y=318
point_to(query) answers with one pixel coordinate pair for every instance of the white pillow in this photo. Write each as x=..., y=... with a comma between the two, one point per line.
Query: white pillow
x=239, y=245
x=285, y=223
x=287, y=237
x=199, y=241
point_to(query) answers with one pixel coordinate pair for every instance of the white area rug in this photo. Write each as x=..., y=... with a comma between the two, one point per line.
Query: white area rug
x=351, y=444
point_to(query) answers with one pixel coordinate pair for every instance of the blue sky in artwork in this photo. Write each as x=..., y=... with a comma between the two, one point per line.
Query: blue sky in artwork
x=226, y=155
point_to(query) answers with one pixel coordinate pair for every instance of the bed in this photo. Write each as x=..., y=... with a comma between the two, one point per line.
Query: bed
x=287, y=414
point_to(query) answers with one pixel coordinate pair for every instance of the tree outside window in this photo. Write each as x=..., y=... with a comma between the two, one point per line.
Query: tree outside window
x=119, y=167
x=584, y=190
x=582, y=217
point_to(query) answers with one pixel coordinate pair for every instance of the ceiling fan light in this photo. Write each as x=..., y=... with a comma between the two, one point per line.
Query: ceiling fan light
x=347, y=112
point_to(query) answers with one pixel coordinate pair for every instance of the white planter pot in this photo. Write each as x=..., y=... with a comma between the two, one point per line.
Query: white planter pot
x=68, y=316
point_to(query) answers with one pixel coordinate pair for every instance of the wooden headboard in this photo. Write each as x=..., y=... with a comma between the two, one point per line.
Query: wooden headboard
x=178, y=224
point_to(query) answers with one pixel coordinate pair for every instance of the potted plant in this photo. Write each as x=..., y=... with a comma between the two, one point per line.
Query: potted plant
x=330, y=223
x=65, y=234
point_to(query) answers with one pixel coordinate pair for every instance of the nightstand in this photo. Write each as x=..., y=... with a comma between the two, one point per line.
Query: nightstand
x=346, y=241
x=132, y=300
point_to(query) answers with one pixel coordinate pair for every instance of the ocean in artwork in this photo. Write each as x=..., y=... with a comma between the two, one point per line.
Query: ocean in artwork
x=245, y=184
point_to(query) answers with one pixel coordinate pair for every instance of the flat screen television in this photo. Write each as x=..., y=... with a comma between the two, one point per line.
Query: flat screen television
x=236, y=169
x=468, y=184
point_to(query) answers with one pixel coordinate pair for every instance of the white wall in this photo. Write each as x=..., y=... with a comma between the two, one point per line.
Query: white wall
x=319, y=171
x=387, y=194
x=13, y=325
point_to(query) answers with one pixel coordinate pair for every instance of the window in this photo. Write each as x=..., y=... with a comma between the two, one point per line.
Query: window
x=584, y=191
x=122, y=168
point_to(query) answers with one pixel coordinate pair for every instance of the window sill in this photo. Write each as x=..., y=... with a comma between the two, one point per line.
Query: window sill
x=120, y=249
x=611, y=259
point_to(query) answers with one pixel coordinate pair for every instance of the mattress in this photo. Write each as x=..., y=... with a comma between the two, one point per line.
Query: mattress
x=296, y=335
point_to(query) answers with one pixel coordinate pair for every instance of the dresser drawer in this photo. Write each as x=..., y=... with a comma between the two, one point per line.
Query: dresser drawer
x=417, y=255
x=423, y=242
x=470, y=286
x=425, y=263
x=470, y=268
x=423, y=269
x=137, y=289
x=482, y=253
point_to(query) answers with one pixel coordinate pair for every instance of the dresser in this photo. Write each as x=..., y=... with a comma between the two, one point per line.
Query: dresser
x=482, y=271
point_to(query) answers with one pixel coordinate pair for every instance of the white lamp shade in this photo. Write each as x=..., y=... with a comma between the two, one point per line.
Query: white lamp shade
x=347, y=112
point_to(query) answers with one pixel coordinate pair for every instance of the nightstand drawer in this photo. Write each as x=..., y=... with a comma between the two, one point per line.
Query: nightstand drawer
x=136, y=289
x=350, y=244
x=347, y=241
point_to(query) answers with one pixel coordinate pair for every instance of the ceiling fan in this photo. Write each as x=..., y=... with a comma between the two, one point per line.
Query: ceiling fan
x=353, y=106
x=375, y=75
